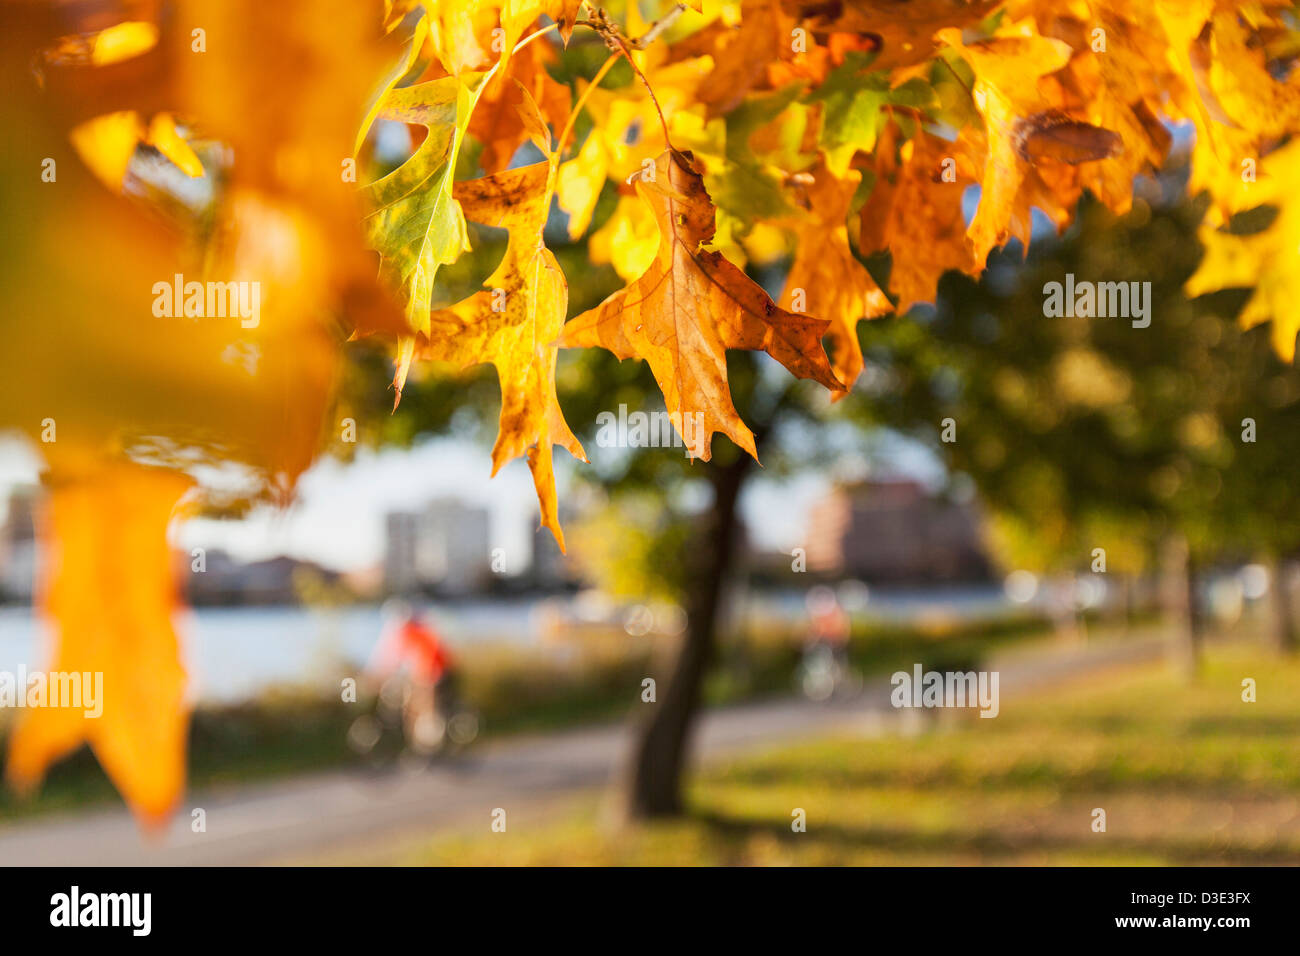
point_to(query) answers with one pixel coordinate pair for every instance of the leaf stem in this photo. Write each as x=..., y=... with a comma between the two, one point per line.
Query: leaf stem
x=582, y=101
x=622, y=45
x=956, y=76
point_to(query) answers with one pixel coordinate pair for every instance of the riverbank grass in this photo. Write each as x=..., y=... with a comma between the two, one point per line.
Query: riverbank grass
x=1186, y=774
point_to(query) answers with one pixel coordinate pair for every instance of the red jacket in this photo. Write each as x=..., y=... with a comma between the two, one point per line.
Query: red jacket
x=413, y=643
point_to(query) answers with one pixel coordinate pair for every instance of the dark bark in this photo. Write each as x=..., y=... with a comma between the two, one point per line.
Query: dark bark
x=1283, y=618
x=663, y=740
x=1125, y=602
x=1181, y=611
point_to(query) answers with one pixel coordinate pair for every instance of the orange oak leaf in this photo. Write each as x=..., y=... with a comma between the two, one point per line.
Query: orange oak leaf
x=109, y=595
x=1007, y=70
x=741, y=56
x=834, y=285
x=689, y=307
x=497, y=122
x=902, y=32
x=513, y=324
x=565, y=13
x=915, y=211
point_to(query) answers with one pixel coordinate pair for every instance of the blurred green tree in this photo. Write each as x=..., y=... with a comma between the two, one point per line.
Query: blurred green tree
x=1165, y=445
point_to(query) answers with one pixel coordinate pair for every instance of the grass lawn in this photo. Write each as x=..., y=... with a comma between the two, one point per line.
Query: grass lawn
x=1187, y=774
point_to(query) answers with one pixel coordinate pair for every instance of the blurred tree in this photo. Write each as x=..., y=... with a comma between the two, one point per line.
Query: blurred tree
x=1083, y=433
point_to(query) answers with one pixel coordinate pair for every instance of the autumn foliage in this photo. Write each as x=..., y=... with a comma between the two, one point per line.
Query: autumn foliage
x=238, y=140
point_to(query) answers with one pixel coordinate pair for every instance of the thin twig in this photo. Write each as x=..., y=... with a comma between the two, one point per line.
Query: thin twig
x=615, y=40
x=656, y=28
x=582, y=101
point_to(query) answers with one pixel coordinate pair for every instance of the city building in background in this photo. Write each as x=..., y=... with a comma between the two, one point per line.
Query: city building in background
x=550, y=569
x=895, y=531
x=18, y=547
x=443, y=548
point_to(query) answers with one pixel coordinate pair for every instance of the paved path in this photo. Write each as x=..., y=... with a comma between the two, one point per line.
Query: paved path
x=324, y=815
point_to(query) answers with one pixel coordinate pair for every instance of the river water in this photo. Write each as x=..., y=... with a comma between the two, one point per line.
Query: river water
x=233, y=653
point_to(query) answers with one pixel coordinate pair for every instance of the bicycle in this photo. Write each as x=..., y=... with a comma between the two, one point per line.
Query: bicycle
x=400, y=728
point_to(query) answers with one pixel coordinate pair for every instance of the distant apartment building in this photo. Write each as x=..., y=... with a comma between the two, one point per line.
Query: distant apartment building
x=443, y=547
x=550, y=569
x=895, y=531
x=18, y=547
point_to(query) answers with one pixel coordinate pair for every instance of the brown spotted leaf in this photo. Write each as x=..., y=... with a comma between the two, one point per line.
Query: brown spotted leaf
x=689, y=307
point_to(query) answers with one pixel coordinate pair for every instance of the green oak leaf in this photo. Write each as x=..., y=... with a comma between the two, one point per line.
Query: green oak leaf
x=414, y=222
x=752, y=186
x=854, y=108
x=748, y=187
x=412, y=62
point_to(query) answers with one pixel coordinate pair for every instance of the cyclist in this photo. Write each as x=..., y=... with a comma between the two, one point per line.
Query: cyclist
x=412, y=645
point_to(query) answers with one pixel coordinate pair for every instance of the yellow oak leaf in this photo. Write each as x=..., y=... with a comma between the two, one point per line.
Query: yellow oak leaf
x=517, y=14
x=1244, y=109
x=565, y=13
x=1268, y=261
x=625, y=136
x=1107, y=103
x=604, y=150
x=1191, y=94
x=692, y=305
x=109, y=594
x=415, y=222
x=1125, y=74
x=1239, y=77
x=107, y=143
x=513, y=323
x=629, y=239
x=459, y=32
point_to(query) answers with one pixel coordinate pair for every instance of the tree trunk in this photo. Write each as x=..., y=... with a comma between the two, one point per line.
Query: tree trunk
x=1179, y=587
x=1125, y=602
x=1283, y=621
x=654, y=788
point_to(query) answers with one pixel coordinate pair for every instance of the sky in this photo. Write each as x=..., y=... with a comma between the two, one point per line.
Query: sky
x=338, y=519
